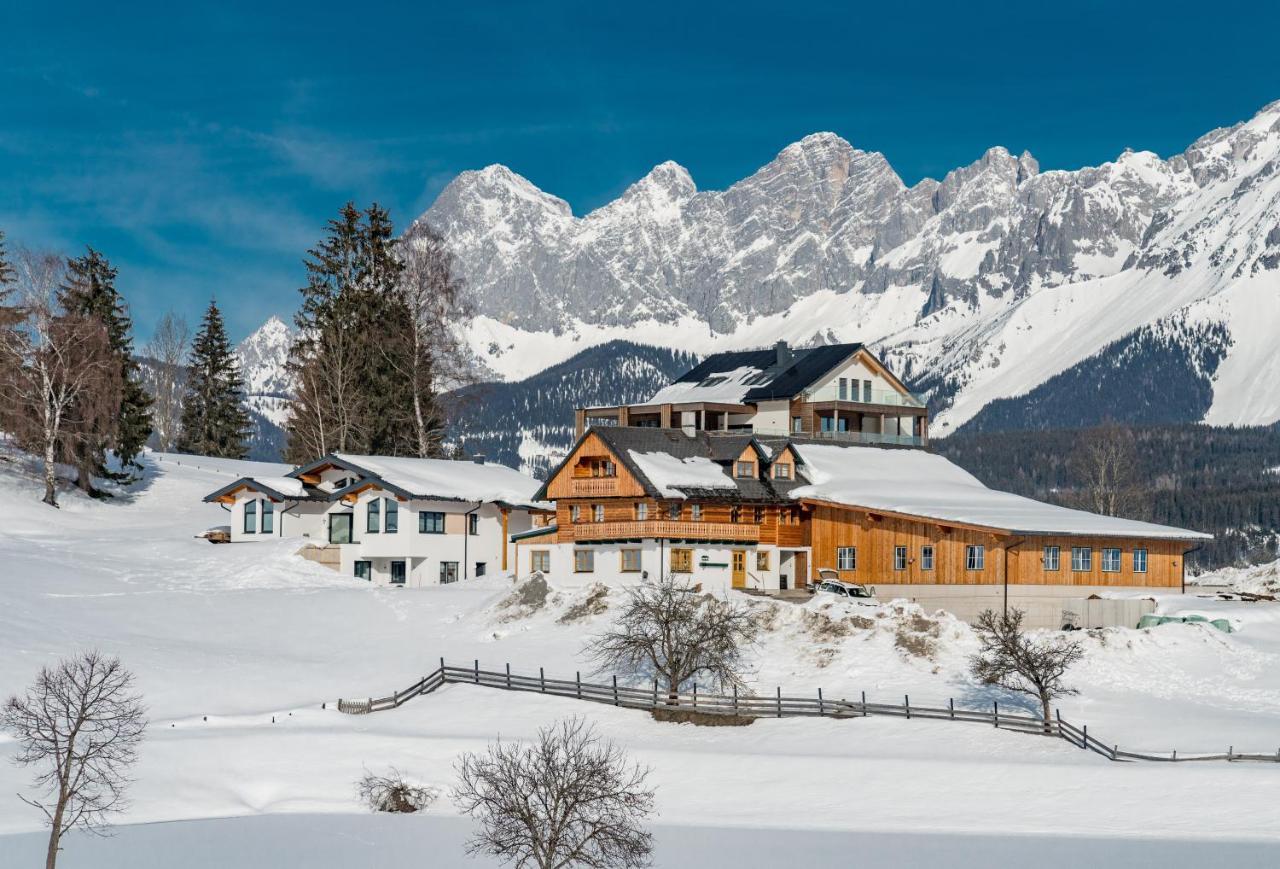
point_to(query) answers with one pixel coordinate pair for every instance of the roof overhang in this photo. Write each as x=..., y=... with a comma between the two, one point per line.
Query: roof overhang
x=227, y=493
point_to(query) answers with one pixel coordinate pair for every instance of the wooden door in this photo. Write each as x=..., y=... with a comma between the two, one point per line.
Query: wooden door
x=739, y=568
x=802, y=569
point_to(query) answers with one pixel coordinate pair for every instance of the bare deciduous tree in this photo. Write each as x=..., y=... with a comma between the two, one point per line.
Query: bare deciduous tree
x=168, y=347
x=570, y=799
x=1105, y=466
x=63, y=375
x=79, y=725
x=392, y=792
x=677, y=634
x=1010, y=659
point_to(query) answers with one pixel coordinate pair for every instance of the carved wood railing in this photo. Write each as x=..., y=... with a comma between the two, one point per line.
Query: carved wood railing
x=667, y=529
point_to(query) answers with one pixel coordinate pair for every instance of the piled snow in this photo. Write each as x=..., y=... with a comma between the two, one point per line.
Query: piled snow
x=924, y=484
x=1254, y=579
x=727, y=387
x=670, y=474
x=451, y=480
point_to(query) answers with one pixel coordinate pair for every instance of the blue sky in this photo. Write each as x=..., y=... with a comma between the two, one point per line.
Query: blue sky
x=203, y=145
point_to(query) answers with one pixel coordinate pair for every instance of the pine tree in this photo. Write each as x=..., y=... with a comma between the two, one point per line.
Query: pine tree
x=7, y=274
x=214, y=420
x=90, y=292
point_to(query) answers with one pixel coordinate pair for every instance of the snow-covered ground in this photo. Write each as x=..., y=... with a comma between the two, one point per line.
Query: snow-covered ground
x=236, y=647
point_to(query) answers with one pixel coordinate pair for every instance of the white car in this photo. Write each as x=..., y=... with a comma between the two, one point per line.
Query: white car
x=849, y=590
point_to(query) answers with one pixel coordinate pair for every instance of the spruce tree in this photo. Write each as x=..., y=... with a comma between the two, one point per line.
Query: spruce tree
x=7, y=274
x=214, y=420
x=90, y=292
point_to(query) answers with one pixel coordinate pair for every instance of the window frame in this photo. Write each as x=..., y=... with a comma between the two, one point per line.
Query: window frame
x=642, y=511
x=422, y=521
x=1051, y=558
x=372, y=516
x=623, y=557
x=849, y=563
x=473, y=524
x=975, y=556
x=597, y=512
x=1084, y=563
x=444, y=572
x=583, y=557
x=681, y=560
x=675, y=511
x=537, y=556
x=1146, y=560
x=251, y=516
x=404, y=572
x=391, y=516
x=695, y=512
x=762, y=560
x=778, y=473
x=927, y=556
x=1112, y=559
x=899, y=558
x=575, y=514
x=266, y=516
x=744, y=470
x=368, y=569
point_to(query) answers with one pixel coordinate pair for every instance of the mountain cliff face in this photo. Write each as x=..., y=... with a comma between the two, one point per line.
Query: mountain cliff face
x=979, y=287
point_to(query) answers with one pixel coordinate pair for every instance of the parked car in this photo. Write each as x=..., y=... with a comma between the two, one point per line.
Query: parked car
x=849, y=590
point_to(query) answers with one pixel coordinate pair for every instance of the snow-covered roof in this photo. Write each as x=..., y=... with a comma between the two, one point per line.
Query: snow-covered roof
x=927, y=485
x=449, y=480
x=724, y=387
x=281, y=487
x=666, y=472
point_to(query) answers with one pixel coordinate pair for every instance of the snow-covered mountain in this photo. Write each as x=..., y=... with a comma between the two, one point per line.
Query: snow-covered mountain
x=981, y=287
x=263, y=359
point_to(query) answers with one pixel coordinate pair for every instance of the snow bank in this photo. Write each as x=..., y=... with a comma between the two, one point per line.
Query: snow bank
x=670, y=474
x=924, y=484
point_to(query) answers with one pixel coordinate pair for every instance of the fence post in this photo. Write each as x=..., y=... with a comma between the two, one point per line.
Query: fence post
x=615, y=690
x=1084, y=742
x=821, y=709
x=655, y=693
x=477, y=670
x=906, y=704
x=695, y=695
x=1115, y=751
x=1230, y=748
x=577, y=678
x=779, y=701
x=735, y=709
x=1175, y=754
x=995, y=713
x=442, y=679
x=864, y=704
x=951, y=705
x=508, y=675
x=542, y=679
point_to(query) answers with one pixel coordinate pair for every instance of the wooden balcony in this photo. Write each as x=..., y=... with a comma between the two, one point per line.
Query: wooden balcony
x=667, y=530
x=591, y=487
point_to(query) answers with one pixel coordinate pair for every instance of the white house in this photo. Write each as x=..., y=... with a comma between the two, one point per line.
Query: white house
x=391, y=520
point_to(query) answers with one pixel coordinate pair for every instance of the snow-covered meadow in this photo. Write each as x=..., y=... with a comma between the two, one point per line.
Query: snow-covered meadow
x=236, y=648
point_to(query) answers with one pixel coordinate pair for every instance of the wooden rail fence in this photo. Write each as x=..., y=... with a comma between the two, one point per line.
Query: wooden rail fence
x=774, y=705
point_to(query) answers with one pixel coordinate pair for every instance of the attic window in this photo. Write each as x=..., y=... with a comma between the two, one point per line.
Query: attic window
x=744, y=470
x=714, y=380
x=782, y=471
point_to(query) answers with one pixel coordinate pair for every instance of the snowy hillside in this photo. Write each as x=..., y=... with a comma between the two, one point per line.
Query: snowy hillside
x=981, y=286
x=235, y=647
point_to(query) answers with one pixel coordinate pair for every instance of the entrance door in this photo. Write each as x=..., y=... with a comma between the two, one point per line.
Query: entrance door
x=739, y=568
x=802, y=570
x=397, y=573
x=340, y=528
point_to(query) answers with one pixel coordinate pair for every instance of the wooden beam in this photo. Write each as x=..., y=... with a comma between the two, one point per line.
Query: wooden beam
x=505, y=540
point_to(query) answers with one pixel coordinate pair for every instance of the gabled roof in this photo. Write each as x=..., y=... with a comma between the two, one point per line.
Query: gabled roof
x=279, y=488
x=434, y=479
x=748, y=376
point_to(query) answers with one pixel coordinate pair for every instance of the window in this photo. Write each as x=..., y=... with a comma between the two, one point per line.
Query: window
x=866, y=392
x=1139, y=561
x=673, y=512
x=797, y=423
x=735, y=514
x=364, y=570
x=631, y=561
x=430, y=522
x=540, y=561
x=250, y=517
x=744, y=470
x=372, y=519
x=448, y=572
x=899, y=558
x=695, y=512
x=762, y=561
x=926, y=558
x=847, y=558
x=575, y=514
x=682, y=561
x=340, y=528
x=757, y=515
x=393, y=516
x=844, y=388
x=597, y=512
x=473, y=524
x=642, y=511
x=481, y=568
x=975, y=557
x=782, y=471
x=1052, y=558
x=397, y=573
x=1081, y=558
x=1110, y=560
x=584, y=561
x=268, y=517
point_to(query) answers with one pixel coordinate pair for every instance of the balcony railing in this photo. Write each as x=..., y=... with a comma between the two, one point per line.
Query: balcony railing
x=588, y=487
x=868, y=437
x=666, y=529
x=890, y=397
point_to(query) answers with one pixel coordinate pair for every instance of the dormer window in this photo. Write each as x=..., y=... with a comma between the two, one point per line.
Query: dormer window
x=744, y=470
x=782, y=471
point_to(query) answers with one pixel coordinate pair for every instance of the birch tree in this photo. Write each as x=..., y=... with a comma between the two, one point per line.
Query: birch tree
x=168, y=347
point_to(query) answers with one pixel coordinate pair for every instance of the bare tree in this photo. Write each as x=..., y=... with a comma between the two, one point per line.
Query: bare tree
x=1105, y=466
x=677, y=634
x=1008, y=658
x=570, y=799
x=79, y=725
x=168, y=347
x=435, y=359
x=64, y=376
x=393, y=793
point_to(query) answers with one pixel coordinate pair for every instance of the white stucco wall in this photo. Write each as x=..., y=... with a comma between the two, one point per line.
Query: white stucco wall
x=829, y=388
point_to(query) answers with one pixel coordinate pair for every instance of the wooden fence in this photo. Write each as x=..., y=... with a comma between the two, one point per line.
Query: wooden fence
x=774, y=705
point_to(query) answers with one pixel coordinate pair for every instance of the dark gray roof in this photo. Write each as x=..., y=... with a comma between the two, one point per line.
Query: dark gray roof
x=785, y=373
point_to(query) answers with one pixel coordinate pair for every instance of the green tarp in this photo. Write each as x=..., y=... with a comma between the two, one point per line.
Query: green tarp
x=1151, y=620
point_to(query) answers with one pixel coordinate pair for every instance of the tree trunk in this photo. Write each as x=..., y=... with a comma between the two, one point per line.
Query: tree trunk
x=1045, y=701
x=50, y=473
x=55, y=835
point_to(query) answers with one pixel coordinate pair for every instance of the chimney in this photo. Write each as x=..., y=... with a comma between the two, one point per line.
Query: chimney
x=478, y=458
x=783, y=354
